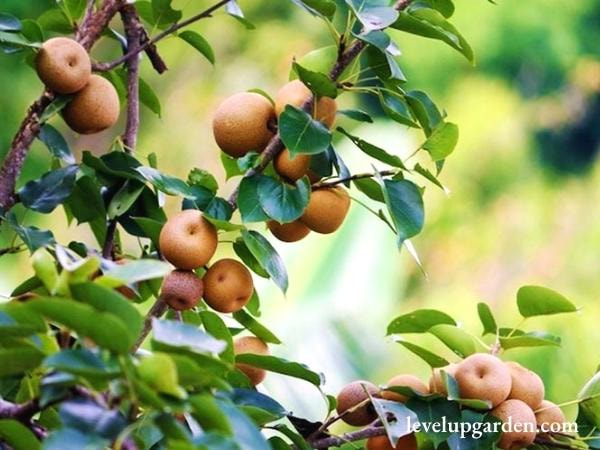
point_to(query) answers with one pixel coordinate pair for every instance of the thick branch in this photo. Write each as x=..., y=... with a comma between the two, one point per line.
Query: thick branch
x=87, y=34
x=103, y=67
x=335, y=441
x=22, y=412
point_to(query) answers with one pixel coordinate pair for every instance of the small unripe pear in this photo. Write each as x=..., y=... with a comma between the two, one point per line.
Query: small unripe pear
x=188, y=240
x=253, y=345
x=182, y=289
x=94, y=108
x=241, y=124
x=352, y=395
x=288, y=232
x=228, y=286
x=63, y=65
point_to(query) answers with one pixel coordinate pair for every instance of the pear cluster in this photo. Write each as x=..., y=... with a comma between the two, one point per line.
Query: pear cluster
x=64, y=67
x=246, y=121
x=513, y=393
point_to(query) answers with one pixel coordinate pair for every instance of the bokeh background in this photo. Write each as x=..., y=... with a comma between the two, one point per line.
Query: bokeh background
x=524, y=206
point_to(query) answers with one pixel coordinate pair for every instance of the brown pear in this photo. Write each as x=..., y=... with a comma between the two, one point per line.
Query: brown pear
x=352, y=395
x=407, y=442
x=188, y=240
x=296, y=93
x=63, y=65
x=405, y=380
x=523, y=426
x=288, y=232
x=326, y=210
x=255, y=346
x=527, y=385
x=291, y=169
x=228, y=286
x=94, y=108
x=436, y=383
x=182, y=289
x=549, y=416
x=241, y=124
x=484, y=377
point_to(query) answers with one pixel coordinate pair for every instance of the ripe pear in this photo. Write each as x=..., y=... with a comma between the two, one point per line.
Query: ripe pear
x=527, y=385
x=188, y=240
x=353, y=394
x=94, y=108
x=288, y=232
x=296, y=93
x=436, y=383
x=326, y=210
x=548, y=414
x=63, y=65
x=251, y=344
x=291, y=169
x=523, y=428
x=484, y=377
x=406, y=442
x=404, y=380
x=182, y=289
x=241, y=124
x=228, y=286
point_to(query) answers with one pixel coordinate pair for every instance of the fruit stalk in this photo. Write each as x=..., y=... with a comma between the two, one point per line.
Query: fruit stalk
x=88, y=33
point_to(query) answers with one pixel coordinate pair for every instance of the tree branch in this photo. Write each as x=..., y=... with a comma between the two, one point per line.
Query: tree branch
x=157, y=310
x=103, y=67
x=357, y=176
x=336, y=441
x=86, y=35
x=134, y=32
x=275, y=145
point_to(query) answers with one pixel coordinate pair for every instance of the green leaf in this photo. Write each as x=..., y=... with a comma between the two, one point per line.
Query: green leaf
x=31, y=30
x=164, y=14
x=166, y=183
x=18, y=40
x=179, y=334
x=317, y=82
x=51, y=190
x=124, y=198
x=430, y=176
x=454, y=394
x=281, y=366
x=425, y=111
x=14, y=433
x=281, y=201
x=446, y=7
x=69, y=438
x=323, y=8
x=456, y=339
x=203, y=178
x=405, y=204
x=418, y=321
x=134, y=272
x=54, y=20
x=396, y=108
x=260, y=407
x=240, y=248
x=149, y=98
x=430, y=358
x=589, y=398
x=298, y=440
x=541, y=301
x=248, y=202
x=374, y=15
x=105, y=329
x=356, y=114
x=487, y=319
x=160, y=373
x=56, y=143
x=87, y=416
x=531, y=339
x=255, y=327
x=395, y=418
x=32, y=237
x=199, y=43
x=267, y=257
x=301, y=134
x=247, y=434
x=370, y=188
x=73, y=8
x=57, y=105
x=432, y=24
x=9, y=22
x=150, y=227
x=215, y=326
x=81, y=362
x=16, y=360
x=442, y=141
x=435, y=411
x=231, y=167
x=86, y=202
x=373, y=151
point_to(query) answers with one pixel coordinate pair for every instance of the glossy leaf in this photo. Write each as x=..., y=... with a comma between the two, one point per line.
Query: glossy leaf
x=9, y=22
x=32, y=237
x=267, y=257
x=56, y=143
x=281, y=366
x=282, y=202
x=51, y=190
x=82, y=362
x=487, y=319
x=13, y=432
x=541, y=301
x=255, y=327
x=373, y=14
x=179, y=334
x=301, y=134
x=419, y=321
x=317, y=82
x=442, y=141
x=324, y=8
x=199, y=43
x=429, y=357
x=166, y=183
x=456, y=339
x=405, y=204
x=374, y=151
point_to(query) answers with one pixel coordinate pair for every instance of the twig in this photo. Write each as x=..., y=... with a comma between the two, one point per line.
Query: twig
x=11, y=250
x=134, y=32
x=275, y=145
x=336, y=441
x=109, y=241
x=87, y=34
x=103, y=67
x=157, y=310
x=358, y=176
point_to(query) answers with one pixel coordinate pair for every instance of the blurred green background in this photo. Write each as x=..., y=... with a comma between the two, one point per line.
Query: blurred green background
x=524, y=199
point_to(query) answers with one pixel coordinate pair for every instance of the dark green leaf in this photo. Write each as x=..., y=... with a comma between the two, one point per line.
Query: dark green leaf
x=356, y=114
x=267, y=257
x=324, y=8
x=373, y=151
x=541, y=301
x=59, y=102
x=31, y=30
x=395, y=418
x=255, y=327
x=231, y=167
x=151, y=228
x=149, y=98
x=32, y=237
x=16, y=360
x=247, y=434
x=14, y=39
x=405, y=204
x=13, y=432
x=424, y=110
x=56, y=143
x=418, y=321
x=281, y=201
x=203, y=178
x=54, y=20
x=248, y=201
x=85, y=202
x=430, y=358
x=71, y=439
x=215, y=326
x=164, y=14
x=301, y=134
x=199, y=43
x=87, y=416
x=531, y=339
x=166, y=183
x=435, y=411
x=430, y=176
x=374, y=15
x=281, y=366
x=240, y=248
x=456, y=339
x=589, y=398
x=80, y=362
x=317, y=82
x=51, y=190
x=442, y=141
x=179, y=334
x=124, y=198
x=396, y=108
x=9, y=23
x=370, y=188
